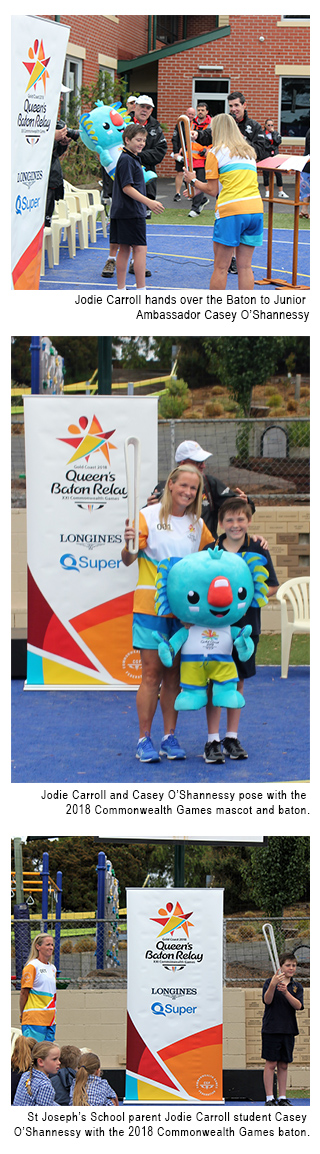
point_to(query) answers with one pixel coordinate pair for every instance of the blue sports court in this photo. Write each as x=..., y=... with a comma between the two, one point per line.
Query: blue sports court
x=178, y=258
x=78, y=736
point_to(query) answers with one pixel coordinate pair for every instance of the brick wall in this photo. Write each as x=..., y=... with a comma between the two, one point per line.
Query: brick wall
x=301, y=1053
x=97, y=1019
x=283, y=528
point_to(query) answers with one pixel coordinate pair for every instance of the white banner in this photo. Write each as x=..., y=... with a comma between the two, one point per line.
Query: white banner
x=174, y=1007
x=80, y=594
x=38, y=55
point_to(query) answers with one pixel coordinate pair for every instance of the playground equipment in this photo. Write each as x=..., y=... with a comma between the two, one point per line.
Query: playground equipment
x=51, y=369
x=41, y=884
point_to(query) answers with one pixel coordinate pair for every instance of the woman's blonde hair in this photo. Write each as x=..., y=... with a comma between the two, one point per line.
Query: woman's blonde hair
x=40, y=1050
x=88, y=1064
x=36, y=946
x=226, y=134
x=194, y=509
x=21, y=1054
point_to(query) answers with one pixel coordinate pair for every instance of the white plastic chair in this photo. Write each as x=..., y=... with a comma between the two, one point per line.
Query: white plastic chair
x=295, y=594
x=87, y=213
x=76, y=220
x=60, y=221
x=99, y=209
x=46, y=245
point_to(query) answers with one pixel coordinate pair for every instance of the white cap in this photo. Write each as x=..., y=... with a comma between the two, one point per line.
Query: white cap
x=191, y=451
x=145, y=100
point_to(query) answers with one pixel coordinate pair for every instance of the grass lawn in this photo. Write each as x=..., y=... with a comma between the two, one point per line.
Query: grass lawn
x=269, y=649
x=180, y=215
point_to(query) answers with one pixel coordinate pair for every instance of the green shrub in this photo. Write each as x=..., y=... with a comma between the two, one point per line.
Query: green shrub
x=175, y=399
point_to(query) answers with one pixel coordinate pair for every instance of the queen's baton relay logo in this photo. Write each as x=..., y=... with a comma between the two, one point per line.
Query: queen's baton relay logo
x=88, y=480
x=33, y=118
x=173, y=949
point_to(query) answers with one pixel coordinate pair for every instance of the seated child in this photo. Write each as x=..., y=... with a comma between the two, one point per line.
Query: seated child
x=35, y=1087
x=234, y=520
x=282, y=995
x=64, y=1079
x=89, y=1089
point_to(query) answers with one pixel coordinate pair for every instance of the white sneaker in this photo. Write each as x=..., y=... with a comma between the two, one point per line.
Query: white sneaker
x=266, y=192
x=283, y=194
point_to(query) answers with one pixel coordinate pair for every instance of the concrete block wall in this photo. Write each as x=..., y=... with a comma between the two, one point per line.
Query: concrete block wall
x=283, y=527
x=97, y=1019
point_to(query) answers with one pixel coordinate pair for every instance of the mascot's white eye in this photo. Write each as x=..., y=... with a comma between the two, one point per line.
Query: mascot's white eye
x=106, y=125
x=242, y=593
x=193, y=597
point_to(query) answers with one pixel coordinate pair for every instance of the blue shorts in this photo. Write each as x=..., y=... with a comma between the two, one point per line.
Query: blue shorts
x=246, y=228
x=144, y=623
x=40, y=1033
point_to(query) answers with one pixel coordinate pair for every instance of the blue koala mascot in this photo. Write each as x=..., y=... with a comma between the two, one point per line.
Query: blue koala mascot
x=209, y=592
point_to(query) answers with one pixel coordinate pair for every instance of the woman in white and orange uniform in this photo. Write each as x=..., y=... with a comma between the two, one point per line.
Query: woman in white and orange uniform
x=231, y=173
x=171, y=528
x=38, y=992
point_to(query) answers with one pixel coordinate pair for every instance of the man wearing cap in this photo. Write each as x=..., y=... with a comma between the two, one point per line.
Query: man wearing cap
x=214, y=491
x=156, y=145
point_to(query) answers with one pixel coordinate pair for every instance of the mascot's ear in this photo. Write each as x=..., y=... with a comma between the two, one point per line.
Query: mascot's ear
x=161, y=600
x=215, y=553
x=259, y=574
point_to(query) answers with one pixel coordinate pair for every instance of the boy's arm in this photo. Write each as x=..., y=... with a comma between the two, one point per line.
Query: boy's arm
x=269, y=993
x=155, y=205
x=290, y=998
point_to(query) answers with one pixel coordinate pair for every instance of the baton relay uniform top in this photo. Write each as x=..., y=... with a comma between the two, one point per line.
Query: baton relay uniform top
x=42, y=1092
x=98, y=1091
x=280, y=1017
x=238, y=183
x=40, y=979
x=128, y=171
x=181, y=536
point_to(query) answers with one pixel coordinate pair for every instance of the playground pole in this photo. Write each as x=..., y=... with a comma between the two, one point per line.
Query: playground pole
x=35, y=364
x=101, y=871
x=45, y=888
x=58, y=922
x=18, y=869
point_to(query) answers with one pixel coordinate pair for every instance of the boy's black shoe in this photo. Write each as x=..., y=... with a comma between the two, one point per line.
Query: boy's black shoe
x=272, y=1102
x=213, y=752
x=284, y=1102
x=233, y=749
x=233, y=265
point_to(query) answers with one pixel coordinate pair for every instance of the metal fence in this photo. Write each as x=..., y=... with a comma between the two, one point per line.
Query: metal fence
x=246, y=960
x=266, y=457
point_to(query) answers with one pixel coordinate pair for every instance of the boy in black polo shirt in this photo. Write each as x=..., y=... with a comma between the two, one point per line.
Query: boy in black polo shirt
x=129, y=206
x=282, y=995
x=234, y=519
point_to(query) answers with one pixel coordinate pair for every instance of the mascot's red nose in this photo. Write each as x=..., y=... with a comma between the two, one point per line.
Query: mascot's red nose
x=220, y=592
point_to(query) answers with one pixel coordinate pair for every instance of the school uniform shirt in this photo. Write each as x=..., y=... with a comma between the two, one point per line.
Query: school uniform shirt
x=128, y=171
x=181, y=536
x=98, y=1091
x=40, y=979
x=42, y=1092
x=239, y=189
x=253, y=615
x=280, y=1017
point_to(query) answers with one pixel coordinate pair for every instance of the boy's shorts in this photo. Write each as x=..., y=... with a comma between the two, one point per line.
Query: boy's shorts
x=246, y=668
x=144, y=623
x=277, y=1047
x=128, y=231
x=245, y=228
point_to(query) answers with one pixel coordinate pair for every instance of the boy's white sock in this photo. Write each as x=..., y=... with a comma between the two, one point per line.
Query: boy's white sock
x=269, y=1098
x=231, y=733
x=213, y=737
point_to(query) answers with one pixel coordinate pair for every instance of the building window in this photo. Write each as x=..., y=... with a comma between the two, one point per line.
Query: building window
x=167, y=29
x=214, y=92
x=72, y=79
x=106, y=83
x=295, y=17
x=295, y=106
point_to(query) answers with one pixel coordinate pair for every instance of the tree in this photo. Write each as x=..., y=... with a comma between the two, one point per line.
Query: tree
x=280, y=873
x=242, y=363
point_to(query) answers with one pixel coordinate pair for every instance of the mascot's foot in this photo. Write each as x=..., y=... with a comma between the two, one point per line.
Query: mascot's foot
x=164, y=654
x=230, y=698
x=191, y=699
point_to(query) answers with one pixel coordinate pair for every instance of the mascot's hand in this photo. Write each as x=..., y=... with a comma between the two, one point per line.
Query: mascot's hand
x=244, y=643
x=165, y=650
